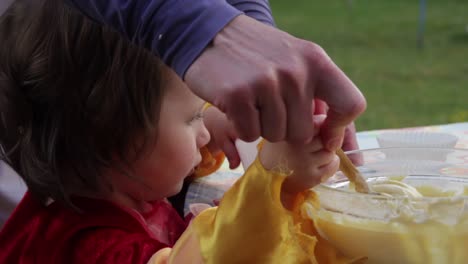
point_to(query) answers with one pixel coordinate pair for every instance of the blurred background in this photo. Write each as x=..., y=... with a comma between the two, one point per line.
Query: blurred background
x=412, y=73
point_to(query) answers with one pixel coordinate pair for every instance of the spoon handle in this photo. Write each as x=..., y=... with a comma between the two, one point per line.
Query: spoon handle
x=352, y=173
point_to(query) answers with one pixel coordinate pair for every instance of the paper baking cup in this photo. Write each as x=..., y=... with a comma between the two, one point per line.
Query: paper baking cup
x=420, y=139
x=416, y=139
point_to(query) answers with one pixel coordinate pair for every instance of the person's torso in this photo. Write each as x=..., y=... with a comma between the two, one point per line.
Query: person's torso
x=50, y=234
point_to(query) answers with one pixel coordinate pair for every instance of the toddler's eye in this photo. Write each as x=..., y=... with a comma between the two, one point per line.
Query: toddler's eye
x=198, y=116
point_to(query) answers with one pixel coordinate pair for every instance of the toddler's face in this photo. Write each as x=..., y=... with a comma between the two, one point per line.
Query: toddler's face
x=181, y=133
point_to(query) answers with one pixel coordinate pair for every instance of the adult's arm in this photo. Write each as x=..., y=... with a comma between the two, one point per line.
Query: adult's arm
x=258, y=9
x=4, y=5
x=262, y=78
x=266, y=80
x=176, y=30
x=261, y=11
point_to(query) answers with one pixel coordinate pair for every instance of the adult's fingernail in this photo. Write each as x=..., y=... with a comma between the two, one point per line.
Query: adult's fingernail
x=334, y=144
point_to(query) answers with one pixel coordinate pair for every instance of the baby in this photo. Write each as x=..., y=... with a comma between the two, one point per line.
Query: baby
x=102, y=132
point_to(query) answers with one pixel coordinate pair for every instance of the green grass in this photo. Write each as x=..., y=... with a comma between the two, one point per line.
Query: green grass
x=374, y=42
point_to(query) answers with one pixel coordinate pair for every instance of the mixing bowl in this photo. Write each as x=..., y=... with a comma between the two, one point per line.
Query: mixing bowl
x=399, y=229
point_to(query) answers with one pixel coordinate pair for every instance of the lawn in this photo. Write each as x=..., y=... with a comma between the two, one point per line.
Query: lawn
x=374, y=42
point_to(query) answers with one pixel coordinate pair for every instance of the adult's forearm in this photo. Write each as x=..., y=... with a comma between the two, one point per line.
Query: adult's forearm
x=4, y=4
x=257, y=9
x=176, y=30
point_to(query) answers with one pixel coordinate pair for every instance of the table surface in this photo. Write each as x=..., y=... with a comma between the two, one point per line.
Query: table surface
x=208, y=189
x=368, y=139
x=212, y=187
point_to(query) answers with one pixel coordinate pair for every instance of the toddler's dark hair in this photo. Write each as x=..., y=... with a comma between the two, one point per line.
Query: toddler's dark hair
x=74, y=95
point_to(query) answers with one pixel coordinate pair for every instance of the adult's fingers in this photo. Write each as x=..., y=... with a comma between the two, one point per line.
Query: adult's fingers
x=300, y=124
x=247, y=57
x=273, y=117
x=344, y=100
x=320, y=107
x=350, y=141
x=243, y=112
x=230, y=150
x=318, y=122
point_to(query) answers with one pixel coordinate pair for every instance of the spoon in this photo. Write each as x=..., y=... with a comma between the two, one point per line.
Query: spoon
x=389, y=188
x=352, y=173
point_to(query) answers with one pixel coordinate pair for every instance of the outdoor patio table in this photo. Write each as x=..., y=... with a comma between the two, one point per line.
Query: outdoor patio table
x=211, y=188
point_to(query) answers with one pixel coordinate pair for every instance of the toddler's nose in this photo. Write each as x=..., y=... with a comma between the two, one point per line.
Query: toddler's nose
x=203, y=136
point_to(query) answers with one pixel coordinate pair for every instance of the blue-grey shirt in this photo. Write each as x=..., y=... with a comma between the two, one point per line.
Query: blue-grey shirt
x=176, y=30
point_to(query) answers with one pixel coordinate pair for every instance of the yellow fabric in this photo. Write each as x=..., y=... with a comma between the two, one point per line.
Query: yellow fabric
x=252, y=226
x=187, y=249
x=161, y=256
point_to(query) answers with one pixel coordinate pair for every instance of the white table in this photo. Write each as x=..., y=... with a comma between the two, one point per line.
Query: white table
x=12, y=187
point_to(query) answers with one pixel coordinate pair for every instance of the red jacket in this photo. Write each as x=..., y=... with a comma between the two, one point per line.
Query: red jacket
x=102, y=233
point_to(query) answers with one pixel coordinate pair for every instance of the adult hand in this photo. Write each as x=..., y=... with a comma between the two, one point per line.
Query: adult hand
x=265, y=80
x=350, y=140
x=223, y=135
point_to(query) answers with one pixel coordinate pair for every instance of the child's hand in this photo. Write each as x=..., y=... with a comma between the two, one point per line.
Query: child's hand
x=223, y=135
x=310, y=164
